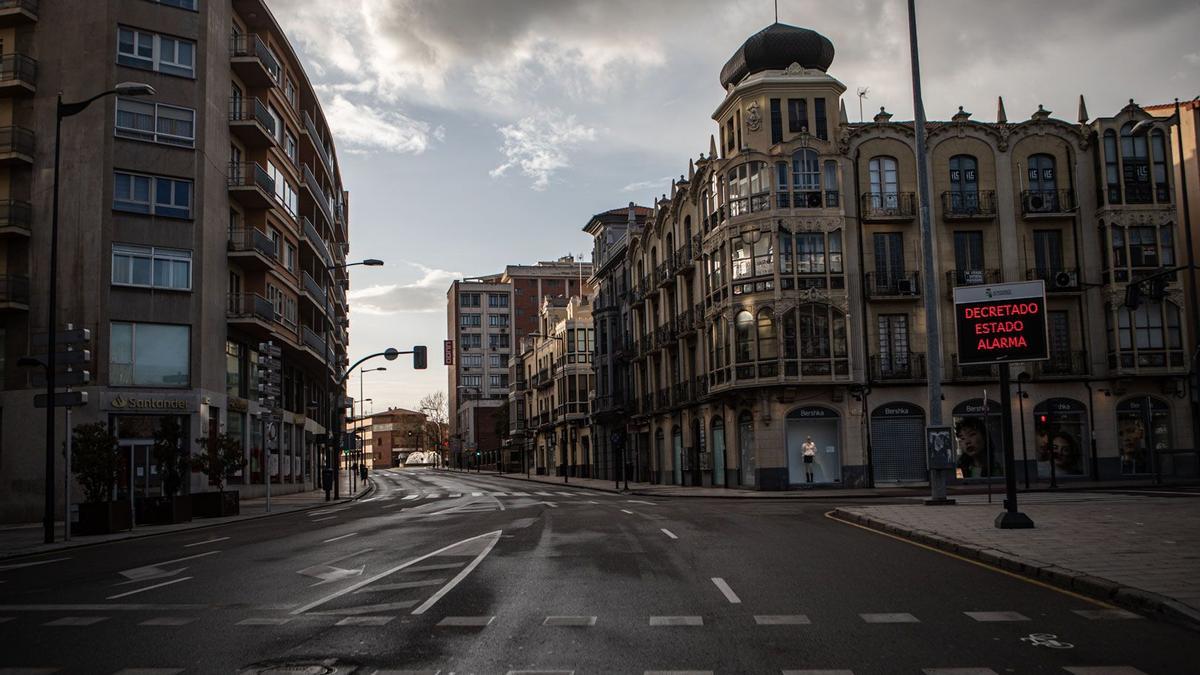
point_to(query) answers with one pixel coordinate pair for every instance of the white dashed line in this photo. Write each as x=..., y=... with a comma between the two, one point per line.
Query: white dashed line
x=352, y=534
x=408, y=497
x=76, y=621
x=168, y=621
x=676, y=621
x=365, y=621
x=638, y=501
x=781, y=620
x=668, y=533
x=472, y=621
x=264, y=621
x=889, y=617
x=147, y=588
x=627, y=511
x=317, y=520
x=726, y=590
x=997, y=616
x=569, y=621
x=207, y=541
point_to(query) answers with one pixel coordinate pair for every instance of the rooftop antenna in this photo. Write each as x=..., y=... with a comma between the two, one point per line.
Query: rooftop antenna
x=862, y=93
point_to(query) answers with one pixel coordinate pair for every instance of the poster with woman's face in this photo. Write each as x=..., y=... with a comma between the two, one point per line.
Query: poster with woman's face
x=1131, y=442
x=977, y=438
x=1059, y=442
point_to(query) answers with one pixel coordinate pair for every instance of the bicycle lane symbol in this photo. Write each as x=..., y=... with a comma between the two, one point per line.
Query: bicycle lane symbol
x=1046, y=640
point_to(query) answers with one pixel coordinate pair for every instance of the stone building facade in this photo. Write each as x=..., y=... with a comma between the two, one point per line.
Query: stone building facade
x=775, y=295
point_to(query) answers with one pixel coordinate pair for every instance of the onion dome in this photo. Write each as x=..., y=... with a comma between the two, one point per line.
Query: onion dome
x=775, y=48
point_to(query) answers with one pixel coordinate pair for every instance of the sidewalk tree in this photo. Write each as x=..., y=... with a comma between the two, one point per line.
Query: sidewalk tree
x=96, y=460
x=222, y=461
x=171, y=454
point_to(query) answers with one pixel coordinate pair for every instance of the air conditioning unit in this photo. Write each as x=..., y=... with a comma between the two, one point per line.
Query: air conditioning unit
x=1065, y=279
x=906, y=287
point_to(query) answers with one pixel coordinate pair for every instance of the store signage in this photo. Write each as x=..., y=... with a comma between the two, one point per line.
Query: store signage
x=1001, y=322
x=238, y=404
x=807, y=413
x=448, y=352
x=134, y=402
x=898, y=410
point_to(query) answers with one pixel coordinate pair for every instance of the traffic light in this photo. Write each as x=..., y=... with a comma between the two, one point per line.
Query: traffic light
x=420, y=357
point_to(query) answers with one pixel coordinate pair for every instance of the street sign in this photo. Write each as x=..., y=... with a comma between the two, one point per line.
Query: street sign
x=68, y=358
x=63, y=338
x=68, y=399
x=1001, y=323
x=70, y=378
x=448, y=352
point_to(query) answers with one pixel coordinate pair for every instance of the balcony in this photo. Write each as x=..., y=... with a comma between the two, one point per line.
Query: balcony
x=664, y=273
x=662, y=399
x=1063, y=364
x=18, y=75
x=893, y=285
x=700, y=387
x=316, y=293
x=317, y=194
x=956, y=278
x=987, y=372
x=251, y=311
x=251, y=121
x=884, y=207
x=252, y=248
x=14, y=292
x=314, y=342
x=543, y=378
x=339, y=295
x=1058, y=279
x=16, y=145
x=1047, y=203
x=980, y=205
x=310, y=236
x=253, y=61
x=898, y=367
x=685, y=323
x=17, y=12
x=250, y=185
x=681, y=393
x=15, y=217
x=310, y=129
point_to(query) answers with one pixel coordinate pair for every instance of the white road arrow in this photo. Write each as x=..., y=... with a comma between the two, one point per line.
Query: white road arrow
x=329, y=573
x=156, y=571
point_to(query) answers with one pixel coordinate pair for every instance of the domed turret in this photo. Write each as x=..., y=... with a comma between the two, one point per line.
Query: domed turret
x=776, y=47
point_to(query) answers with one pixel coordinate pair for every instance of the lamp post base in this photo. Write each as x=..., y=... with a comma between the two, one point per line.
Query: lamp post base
x=1013, y=520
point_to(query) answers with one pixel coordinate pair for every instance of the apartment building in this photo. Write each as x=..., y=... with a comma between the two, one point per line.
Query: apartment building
x=195, y=224
x=775, y=293
x=549, y=404
x=485, y=317
x=392, y=436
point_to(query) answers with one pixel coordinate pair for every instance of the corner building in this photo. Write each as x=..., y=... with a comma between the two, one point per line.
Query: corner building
x=775, y=293
x=194, y=224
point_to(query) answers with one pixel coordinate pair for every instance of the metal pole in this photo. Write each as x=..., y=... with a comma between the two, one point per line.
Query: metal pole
x=1024, y=453
x=67, y=477
x=51, y=342
x=933, y=339
x=1010, y=518
x=987, y=443
x=267, y=448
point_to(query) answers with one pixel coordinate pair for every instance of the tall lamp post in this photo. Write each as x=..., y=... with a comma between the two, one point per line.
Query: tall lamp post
x=362, y=450
x=64, y=110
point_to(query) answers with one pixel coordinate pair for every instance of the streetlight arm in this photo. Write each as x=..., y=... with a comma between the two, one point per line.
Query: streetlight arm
x=389, y=354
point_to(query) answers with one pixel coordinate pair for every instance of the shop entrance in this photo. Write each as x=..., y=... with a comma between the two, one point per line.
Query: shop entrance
x=977, y=439
x=746, y=461
x=718, y=452
x=898, y=443
x=1143, y=427
x=1060, y=436
x=820, y=427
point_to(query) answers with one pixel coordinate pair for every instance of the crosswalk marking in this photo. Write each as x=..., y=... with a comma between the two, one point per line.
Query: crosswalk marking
x=676, y=621
x=76, y=621
x=1105, y=614
x=407, y=497
x=889, y=617
x=569, y=621
x=264, y=621
x=467, y=621
x=168, y=621
x=365, y=621
x=997, y=616
x=781, y=620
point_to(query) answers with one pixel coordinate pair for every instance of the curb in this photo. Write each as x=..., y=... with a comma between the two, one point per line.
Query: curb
x=570, y=485
x=1128, y=597
x=205, y=526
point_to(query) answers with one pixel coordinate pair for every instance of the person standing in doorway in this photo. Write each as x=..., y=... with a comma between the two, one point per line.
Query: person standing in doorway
x=810, y=452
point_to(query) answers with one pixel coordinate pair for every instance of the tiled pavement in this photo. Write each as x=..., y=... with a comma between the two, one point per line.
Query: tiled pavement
x=1140, y=544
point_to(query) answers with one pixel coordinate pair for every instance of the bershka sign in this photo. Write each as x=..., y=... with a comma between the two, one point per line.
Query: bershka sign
x=1001, y=322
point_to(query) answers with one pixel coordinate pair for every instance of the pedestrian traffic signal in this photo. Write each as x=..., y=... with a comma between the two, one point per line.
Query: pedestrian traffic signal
x=420, y=357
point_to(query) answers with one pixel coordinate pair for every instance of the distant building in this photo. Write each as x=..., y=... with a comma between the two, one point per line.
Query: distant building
x=392, y=436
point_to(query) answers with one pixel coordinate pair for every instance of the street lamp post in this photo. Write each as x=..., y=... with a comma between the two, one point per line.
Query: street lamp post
x=63, y=110
x=362, y=450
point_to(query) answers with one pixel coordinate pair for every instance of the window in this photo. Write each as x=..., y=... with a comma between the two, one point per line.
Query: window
x=289, y=311
x=1135, y=166
x=776, y=122
x=968, y=259
x=495, y=361
x=233, y=369
x=498, y=341
x=749, y=188
x=472, y=380
x=172, y=197
x=277, y=128
x=822, y=126
x=289, y=92
x=1043, y=185
x=289, y=256
x=151, y=51
x=148, y=354
x=181, y=4
x=1149, y=336
x=1111, y=171
x=468, y=300
x=156, y=122
x=472, y=360
x=290, y=147
x=469, y=320
x=498, y=381
x=768, y=347
x=797, y=115
x=751, y=260
x=806, y=179
x=151, y=267
x=498, y=320
x=1158, y=144
x=890, y=276
x=964, y=184
x=821, y=333
x=276, y=297
x=497, y=300
x=744, y=334
x=285, y=194
x=1048, y=253
x=831, y=184
x=884, y=183
x=893, y=345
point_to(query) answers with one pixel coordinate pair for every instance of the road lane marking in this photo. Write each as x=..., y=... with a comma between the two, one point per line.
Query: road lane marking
x=76, y=621
x=264, y=621
x=1014, y=575
x=518, y=494
x=155, y=571
x=569, y=621
x=370, y=609
x=397, y=568
x=592, y=502
x=544, y=494
x=205, y=542
x=434, y=568
x=568, y=494
x=1105, y=614
x=627, y=511
x=168, y=621
x=889, y=617
x=1103, y=670
x=550, y=504
x=352, y=534
x=400, y=586
x=455, y=495
x=365, y=621
x=676, y=621
x=997, y=616
x=317, y=520
x=147, y=588
x=472, y=621
x=781, y=620
x=726, y=591
x=408, y=497
x=476, y=494
x=818, y=672
x=14, y=566
x=89, y=607
x=669, y=533
x=323, y=512
x=460, y=576
x=638, y=501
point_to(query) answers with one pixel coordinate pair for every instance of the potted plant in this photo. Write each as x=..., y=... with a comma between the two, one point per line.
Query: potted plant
x=96, y=463
x=172, y=457
x=223, y=459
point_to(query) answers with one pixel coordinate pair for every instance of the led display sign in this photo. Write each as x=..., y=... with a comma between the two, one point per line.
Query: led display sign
x=1001, y=323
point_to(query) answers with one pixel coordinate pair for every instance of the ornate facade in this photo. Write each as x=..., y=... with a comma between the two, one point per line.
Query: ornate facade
x=774, y=296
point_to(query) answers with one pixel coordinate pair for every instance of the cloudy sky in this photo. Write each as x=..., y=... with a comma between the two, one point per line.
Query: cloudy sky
x=476, y=133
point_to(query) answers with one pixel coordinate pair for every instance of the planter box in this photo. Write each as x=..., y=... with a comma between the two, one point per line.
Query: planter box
x=164, y=510
x=216, y=504
x=103, y=518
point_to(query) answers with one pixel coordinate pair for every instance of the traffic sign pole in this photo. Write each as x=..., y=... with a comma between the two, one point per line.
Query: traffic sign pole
x=1010, y=518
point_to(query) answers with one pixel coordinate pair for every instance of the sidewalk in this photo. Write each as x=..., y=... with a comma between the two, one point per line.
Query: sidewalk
x=826, y=493
x=1141, y=553
x=27, y=538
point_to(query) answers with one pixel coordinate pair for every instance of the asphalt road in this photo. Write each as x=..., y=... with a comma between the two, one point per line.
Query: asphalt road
x=453, y=573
